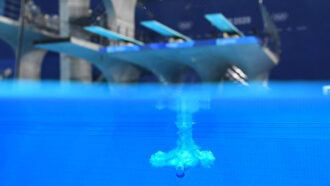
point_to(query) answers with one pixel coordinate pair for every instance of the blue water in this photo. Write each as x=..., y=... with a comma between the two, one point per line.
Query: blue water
x=80, y=134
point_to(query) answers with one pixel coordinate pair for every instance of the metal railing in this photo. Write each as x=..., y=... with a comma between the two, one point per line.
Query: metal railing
x=37, y=20
x=33, y=17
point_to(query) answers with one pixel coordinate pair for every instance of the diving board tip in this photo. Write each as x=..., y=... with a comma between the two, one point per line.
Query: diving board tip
x=222, y=23
x=163, y=29
x=111, y=35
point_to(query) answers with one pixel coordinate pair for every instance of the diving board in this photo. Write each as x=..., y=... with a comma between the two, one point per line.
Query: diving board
x=111, y=35
x=163, y=29
x=208, y=58
x=222, y=23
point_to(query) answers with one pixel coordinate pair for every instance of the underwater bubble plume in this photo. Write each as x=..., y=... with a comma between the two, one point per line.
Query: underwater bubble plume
x=186, y=154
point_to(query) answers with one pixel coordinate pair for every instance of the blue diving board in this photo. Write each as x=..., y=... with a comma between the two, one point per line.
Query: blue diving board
x=163, y=29
x=111, y=35
x=222, y=23
x=168, y=61
x=209, y=58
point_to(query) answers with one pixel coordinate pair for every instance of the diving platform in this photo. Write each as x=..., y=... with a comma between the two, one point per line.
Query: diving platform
x=32, y=57
x=163, y=29
x=223, y=24
x=111, y=35
x=168, y=61
x=9, y=32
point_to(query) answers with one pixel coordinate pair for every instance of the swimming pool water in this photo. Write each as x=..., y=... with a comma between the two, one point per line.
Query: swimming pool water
x=80, y=134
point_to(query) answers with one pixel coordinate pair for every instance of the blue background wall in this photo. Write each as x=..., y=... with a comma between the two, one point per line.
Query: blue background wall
x=303, y=28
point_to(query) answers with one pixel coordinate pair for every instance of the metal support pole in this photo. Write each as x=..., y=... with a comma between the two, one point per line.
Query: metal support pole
x=20, y=38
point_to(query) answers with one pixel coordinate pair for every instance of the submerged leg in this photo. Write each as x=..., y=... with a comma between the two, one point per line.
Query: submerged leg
x=180, y=172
